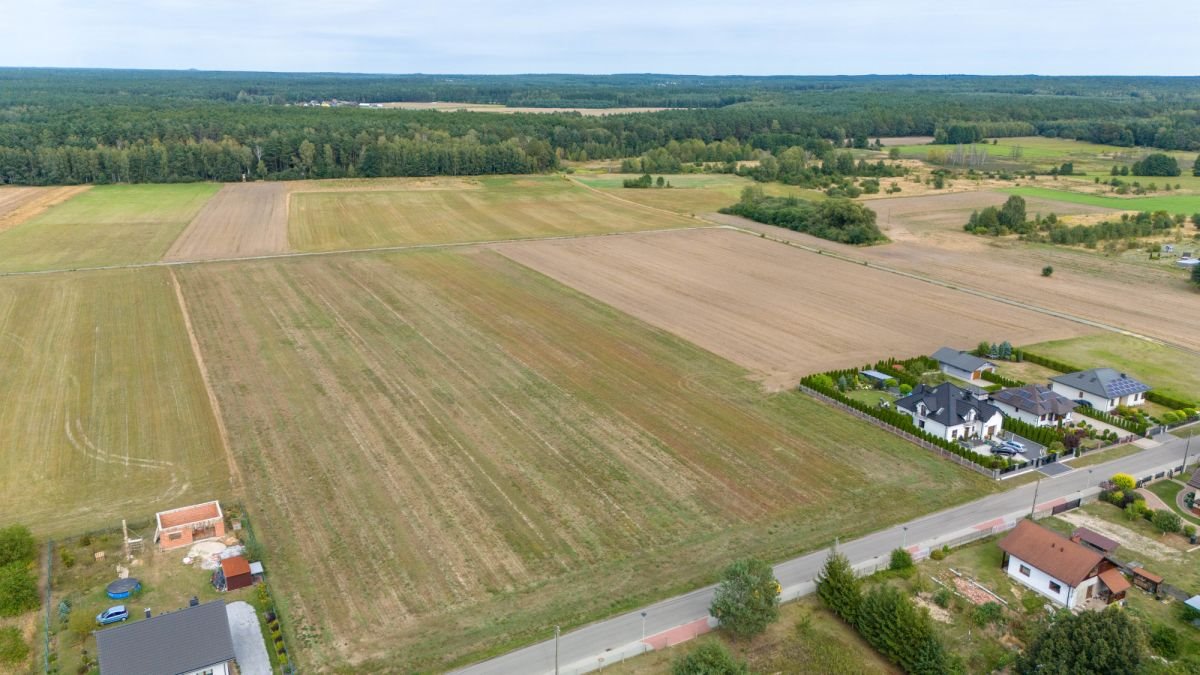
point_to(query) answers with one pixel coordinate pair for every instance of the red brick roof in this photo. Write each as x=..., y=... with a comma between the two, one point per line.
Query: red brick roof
x=1050, y=552
x=189, y=514
x=1116, y=582
x=235, y=566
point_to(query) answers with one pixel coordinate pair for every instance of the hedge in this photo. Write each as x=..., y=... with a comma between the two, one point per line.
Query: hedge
x=1043, y=435
x=899, y=420
x=1001, y=380
x=1169, y=401
x=1129, y=425
x=1052, y=364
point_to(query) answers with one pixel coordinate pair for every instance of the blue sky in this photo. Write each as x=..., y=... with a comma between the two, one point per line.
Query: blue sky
x=706, y=37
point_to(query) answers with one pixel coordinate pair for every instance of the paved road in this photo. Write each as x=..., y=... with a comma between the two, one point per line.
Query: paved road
x=674, y=619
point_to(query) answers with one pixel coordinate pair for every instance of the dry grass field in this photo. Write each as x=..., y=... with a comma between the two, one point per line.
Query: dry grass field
x=106, y=225
x=18, y=204
x=447, y=453
x=243, y=219
x=776, y=310
x=502, y=207
x=933, y=216
x=690, y=193
x=102, y=415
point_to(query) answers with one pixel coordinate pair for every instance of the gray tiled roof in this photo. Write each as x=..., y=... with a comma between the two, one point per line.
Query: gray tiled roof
x=169, y=644
x=960, y=360
x=1036, y=399
x=947, y=404
x=1104, y=382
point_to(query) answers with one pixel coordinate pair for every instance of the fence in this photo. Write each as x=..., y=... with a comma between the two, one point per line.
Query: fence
x=47, y=601
x=254, y=547
x=990, y=473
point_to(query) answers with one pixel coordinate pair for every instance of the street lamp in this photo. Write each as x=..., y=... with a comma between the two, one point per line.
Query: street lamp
x=556, y=650
x=904, y=543
x=643, y=626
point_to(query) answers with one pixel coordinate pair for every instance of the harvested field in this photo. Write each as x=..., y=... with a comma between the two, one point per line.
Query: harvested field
x=504, y=207
x=691, y=193
x=106, y=225
x=1135, y=297
x=776, y=310
x=935, y=215
x=18, y=204
x=451, y=452
x=103, y=414
x=384, y=184
x=243, y=219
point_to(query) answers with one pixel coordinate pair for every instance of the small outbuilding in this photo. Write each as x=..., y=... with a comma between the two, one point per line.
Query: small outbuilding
x=1094, y=540
x=877, y=378
x=234, y=573
x=188, y=524
x=1146, y=580
x=962, y=365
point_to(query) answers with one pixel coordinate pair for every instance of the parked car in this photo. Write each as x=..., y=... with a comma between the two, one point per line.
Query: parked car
x=1004, y=450
x=114, y=614
x=1015, y=445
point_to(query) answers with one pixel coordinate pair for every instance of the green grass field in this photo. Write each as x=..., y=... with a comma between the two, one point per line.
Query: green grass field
x=450, y=452
x=103, y=414
x=107, y=225
x=1035, y=148
x=1168, y=370
x=1174, y=203
x=501, y=207
x=691, y=193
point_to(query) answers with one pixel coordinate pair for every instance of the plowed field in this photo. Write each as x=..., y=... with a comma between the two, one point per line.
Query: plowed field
x=243, y=219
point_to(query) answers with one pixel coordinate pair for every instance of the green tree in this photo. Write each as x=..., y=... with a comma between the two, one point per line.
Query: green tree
x=1100, y=643
x=17, y=545
x=1123, y=482
x=894, y=625
x=1156, y=164
x=1012, y=214
x=839, y=588
x=747, y=598
x=901, y=560
x=710, y=658
x=18, y=589
x=1166, y=522
x=1196, y=166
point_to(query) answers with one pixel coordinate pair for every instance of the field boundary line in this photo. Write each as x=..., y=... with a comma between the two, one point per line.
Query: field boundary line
x=958, y=287
x=235, y=475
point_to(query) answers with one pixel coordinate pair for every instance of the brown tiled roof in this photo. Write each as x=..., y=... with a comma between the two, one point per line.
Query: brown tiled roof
x=189, y=514
x=1051, y=553
x=235, y=566
x=1095, y=539
x=1148, y=575
x=1116, y=582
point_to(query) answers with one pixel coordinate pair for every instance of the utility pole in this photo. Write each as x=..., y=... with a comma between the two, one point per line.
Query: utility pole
x=643, y=626
x=556, y=650
x=1033, y=509
x=904, y=545
x=1186, y=449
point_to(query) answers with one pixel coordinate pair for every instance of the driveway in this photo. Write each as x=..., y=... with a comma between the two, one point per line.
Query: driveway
x=247, y=636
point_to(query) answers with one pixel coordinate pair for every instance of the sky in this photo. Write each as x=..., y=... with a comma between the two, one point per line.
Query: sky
x=703, y=37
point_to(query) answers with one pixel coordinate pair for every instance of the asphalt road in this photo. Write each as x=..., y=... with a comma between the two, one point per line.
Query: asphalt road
x=608, y=641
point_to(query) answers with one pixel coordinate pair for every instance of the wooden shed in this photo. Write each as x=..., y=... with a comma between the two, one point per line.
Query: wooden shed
x=234, y=573
x=1146, y=580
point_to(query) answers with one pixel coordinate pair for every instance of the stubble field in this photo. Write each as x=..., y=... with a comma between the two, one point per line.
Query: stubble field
x=448, y=453
x=243, y=219
x=778, y=311
x=103, y=414
x=499, y=207
x=18, y=204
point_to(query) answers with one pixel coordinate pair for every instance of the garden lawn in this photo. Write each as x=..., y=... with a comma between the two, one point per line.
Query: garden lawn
x=107, y=225
x=1165, y=369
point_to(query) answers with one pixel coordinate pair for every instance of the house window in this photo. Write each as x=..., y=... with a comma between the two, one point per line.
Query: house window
x=175, y=536
x=953, y=434
x=921, y=424
x=1055, y=588
x=1023, y=570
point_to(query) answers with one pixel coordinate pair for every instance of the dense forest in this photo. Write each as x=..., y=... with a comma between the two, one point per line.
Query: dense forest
x=100, y=126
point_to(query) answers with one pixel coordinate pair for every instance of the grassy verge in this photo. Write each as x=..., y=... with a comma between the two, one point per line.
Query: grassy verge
x=1093, y=458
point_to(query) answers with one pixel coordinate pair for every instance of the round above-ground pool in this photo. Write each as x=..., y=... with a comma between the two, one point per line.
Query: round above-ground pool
x=123, y=588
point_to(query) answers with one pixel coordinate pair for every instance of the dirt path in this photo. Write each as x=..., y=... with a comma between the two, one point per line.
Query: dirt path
x=242, y=220
x=235, y=475
x=1125, y=536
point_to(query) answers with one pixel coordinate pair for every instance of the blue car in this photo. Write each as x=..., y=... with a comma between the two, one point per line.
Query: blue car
x=112, y=615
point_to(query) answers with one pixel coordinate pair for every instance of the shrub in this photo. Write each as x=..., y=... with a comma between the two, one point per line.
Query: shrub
x=13, y=649
x=942, y=598
x=18, y=589
x=1047, y=271
x=988, y=613
x=1124, y=482
x=1189, y=530
x=1165, y=521
x=1164, y=640
x=901, y=560
x=16, y=545
x=1032, y=603
x=937, y=554
x=905, y=389
x=710, y=658
x=67, y=557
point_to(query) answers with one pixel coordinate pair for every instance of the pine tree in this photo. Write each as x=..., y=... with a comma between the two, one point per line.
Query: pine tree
x=839, y=588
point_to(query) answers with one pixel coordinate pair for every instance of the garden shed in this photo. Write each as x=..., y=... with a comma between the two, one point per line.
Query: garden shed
x=234, y=573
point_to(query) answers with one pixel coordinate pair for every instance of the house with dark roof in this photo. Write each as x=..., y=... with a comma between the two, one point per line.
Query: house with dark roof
x=1104, y=388
x=191, y=641
x=1068, y=573
x=1035, y=404
x=950, y=412
x=962, y=365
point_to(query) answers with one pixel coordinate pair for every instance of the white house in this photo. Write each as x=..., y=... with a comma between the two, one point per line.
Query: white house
x=190, y=641
x=1034, y=404
x=962, y=365
x=1067, y=573
x=1104, y=388
x=950, y=412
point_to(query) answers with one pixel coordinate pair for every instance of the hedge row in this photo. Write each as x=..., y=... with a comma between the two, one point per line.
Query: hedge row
x=1052, y=364
x=1043, y=435
x=1129, y=425
x=1169, y=401
x=822, y=382
x=1001, y=380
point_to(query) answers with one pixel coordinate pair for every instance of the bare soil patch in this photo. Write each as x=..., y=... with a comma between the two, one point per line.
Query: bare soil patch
x=1125, y=536
x=776, y=310
x=243, y=219
x=18, y=204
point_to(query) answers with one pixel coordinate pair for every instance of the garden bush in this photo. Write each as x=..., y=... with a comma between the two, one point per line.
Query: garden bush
x=18, y=589
x=942, y=598
x=901, y=560
x=13, y=649
x=710, y=658
x=1166, y=522
x=17, y=545
x=1164, y=640
x=1124, y=482
x=988, y=613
